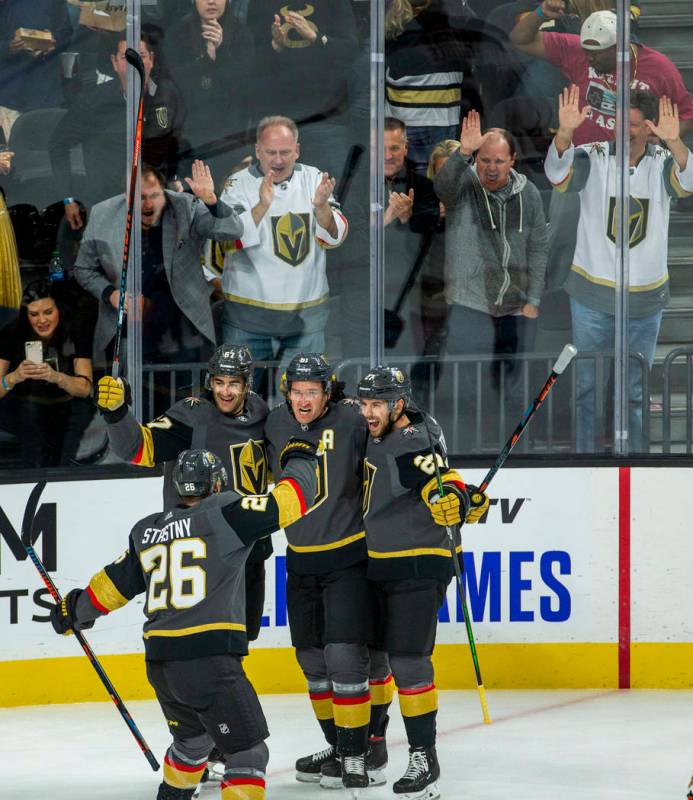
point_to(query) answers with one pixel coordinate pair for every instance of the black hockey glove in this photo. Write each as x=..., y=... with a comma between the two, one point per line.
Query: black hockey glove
x=478, y=504
x=112, y=394
x=64, y=614
x=298, y=448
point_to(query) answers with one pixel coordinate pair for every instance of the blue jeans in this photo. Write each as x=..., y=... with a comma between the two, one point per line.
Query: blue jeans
x=422, y=139
x=595, y=330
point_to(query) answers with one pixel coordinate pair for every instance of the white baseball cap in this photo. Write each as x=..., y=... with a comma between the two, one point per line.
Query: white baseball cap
x=598, y=31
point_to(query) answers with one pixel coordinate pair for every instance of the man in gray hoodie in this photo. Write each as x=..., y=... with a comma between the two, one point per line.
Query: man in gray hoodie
x=495, y=254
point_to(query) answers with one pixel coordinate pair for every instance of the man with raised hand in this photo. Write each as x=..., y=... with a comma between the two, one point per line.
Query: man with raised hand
x=657, y=175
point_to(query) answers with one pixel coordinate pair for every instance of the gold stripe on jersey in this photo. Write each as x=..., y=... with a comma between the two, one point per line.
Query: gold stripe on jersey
x=418, y=551
x=427, y=97
x=414, y=703
x=676, y=183
x=290, y=504
x=105, y=592
x=247, y=301
x=318, y=548
x=211, y=626
x=145, y=455
x=647, y=287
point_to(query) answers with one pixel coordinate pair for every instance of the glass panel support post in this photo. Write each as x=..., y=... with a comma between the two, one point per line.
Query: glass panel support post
x=377, y=182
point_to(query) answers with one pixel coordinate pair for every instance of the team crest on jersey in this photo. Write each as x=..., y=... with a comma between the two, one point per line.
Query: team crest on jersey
x=249, y=467
x=192, y=401
x=637, y=220
x=368, y=475
x=410, y=430
x=290, y=234
x=161, y=116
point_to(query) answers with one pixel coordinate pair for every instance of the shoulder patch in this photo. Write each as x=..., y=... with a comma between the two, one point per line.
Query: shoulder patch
x=192, y=401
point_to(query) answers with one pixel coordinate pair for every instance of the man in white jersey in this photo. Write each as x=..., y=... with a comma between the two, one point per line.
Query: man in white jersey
x=274, y=280
x=656, y=176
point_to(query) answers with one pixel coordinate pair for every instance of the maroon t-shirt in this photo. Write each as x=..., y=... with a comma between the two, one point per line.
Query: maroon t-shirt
x=650, y=70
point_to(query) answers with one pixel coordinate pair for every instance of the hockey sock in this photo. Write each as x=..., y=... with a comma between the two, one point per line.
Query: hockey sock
x=351, y=706
x=181, y=772
x=382, y=692
x=243, y=785
x=321, y=699
x=419, y=707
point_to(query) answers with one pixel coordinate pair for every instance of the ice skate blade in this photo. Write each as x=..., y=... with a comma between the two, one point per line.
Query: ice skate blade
x=215, y=772
x=310, y=777
x=431, y=792
x=327, y=782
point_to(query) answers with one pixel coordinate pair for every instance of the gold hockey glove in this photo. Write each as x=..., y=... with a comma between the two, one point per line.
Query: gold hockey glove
x=478, y=504
x=112, y=393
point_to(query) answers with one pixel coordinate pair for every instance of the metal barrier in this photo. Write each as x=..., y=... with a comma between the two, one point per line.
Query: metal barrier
x=668, y=380
x=442, y=386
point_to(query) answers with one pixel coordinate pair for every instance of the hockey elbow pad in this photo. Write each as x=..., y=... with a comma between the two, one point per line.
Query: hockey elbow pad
x=64, y=614
x=478, y=504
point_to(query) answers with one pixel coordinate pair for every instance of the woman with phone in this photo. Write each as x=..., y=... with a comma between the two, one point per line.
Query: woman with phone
x=45, y=378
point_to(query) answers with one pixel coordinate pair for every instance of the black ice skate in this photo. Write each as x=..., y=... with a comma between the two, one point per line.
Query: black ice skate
x=376, y=760
x=419, y=781
x=308, y=767
x=354, y=776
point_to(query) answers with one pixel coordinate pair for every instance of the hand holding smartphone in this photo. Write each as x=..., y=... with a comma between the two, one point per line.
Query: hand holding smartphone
x=34, y=352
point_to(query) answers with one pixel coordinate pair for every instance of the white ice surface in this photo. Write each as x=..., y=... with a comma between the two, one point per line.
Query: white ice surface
x=561, y=745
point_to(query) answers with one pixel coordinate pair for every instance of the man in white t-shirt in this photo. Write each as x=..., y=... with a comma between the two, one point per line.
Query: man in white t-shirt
x=274, y=280
x=656, y=176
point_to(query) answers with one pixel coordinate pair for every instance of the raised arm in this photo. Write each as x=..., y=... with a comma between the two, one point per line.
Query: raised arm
x=527, y=36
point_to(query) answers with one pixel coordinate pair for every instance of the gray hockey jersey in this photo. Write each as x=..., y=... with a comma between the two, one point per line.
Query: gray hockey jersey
x=331, y=535
x=398, y=472
x=191, y=563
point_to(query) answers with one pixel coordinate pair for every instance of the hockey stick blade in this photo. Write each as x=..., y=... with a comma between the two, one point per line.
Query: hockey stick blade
x=135, y=60
x=567, y=355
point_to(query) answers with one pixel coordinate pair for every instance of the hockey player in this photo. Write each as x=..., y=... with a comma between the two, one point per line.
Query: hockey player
x=190, y=560
x=229, y=418
x=409, y=559
x=327, y=591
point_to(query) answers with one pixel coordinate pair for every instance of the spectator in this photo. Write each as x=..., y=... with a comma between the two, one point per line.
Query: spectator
x=30, y=76
x=495, y=252
x=589, y=61
x=97, y=121
x=410, y=220
x=210, y=56
x=42, y=394
x=303, y=53
x=656, y=176
x=425, y=68
x=175, y=227
x=275, y=282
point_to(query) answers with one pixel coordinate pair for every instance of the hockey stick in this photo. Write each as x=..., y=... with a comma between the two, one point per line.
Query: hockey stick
x=460, y=585
x=135, y=60
x=350, y=163
x=567, y=355
x=27, y=540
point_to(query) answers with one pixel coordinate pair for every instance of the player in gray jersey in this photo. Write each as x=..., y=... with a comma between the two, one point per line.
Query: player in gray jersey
x=190, y=562
x=327, y=591
x=409, y=558
x=227, y=418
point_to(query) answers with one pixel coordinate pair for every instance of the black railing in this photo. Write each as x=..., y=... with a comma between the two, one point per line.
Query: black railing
x=670, y=382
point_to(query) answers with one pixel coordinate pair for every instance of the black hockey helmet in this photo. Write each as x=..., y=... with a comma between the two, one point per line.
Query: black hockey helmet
x=230, y=360
x=308, y=367
x=198, y=473
x=385, y=383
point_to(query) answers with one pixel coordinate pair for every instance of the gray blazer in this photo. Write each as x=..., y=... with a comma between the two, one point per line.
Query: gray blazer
x=187, y=224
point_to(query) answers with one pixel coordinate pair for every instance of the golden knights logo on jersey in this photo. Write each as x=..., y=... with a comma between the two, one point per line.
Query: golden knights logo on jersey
x=249, y=470
x=291, y=237
x=368, y=475
x=637, y=221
